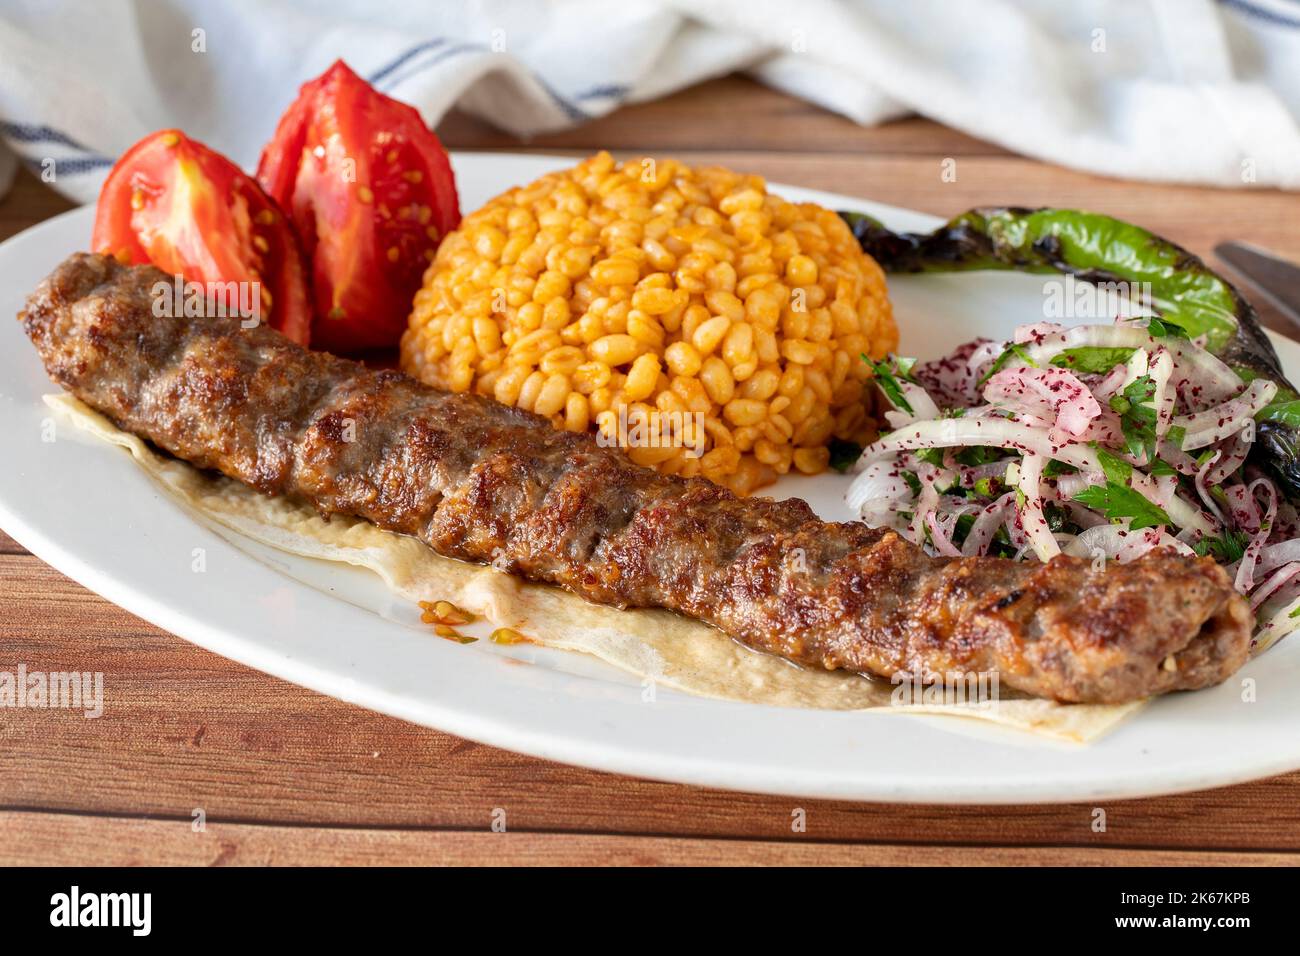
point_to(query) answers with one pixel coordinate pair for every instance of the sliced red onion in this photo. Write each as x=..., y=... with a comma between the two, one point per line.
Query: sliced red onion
x=1052, y=395
x=951, y=380
x=939, y=538
x=1217, y=423
x=1107, y=430
x=1283, y=575
x=1245, y=579
x=1243, y=510
x=925, y=503
x=961, y=432
x=986, y=525
x=1287, y=523
x=1181, y=512
x=1037, y=331
x=1123, y=545
x=1083, y=516
x=1113, y=380
x=1212, y=379
x=1275, y=555
x=878, y=482
x=1181, y=462
x=968, y=475
x=1032, y=518
x=1202, y=486
x=1231, y=456
x=1277, y=625
x=1039, y=412
x=1168, y=540
x=966, y=431
x=1139, y=543
x=1164, y=397
x=984, y=355
x=1106, y=538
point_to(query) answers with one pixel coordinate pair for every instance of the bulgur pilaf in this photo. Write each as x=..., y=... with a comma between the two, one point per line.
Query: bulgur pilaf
x=650, y=287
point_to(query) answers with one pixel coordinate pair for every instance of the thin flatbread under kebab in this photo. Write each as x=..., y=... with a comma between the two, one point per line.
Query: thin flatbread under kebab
x=481, y=482
x=660, y=648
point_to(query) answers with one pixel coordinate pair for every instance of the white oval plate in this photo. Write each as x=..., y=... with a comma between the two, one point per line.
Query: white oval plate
x=87, y=510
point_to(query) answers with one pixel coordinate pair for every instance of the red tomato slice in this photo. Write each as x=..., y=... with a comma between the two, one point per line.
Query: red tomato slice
x=191, y=212
x=371, y=194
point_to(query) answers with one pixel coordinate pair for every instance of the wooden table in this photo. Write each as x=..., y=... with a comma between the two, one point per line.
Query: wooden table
x=284, y=775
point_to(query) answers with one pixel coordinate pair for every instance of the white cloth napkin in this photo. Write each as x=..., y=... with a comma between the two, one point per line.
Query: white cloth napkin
x=1177, y=90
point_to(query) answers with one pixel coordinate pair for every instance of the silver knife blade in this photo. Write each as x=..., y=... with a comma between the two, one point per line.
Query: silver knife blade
x=1272, y=276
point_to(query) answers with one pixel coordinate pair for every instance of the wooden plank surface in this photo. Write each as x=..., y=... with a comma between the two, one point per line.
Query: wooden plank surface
x=286, y=775
x=60, y=839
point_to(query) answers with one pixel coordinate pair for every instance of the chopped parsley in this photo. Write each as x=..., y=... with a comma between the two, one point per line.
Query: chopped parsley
x=844, y=454
x=1226, y=548
x=1092, y=359
x=1014, y=350
x=1116, y=469
x=1117, y=502
x=1161, y=329
x=979, y=455
x=1057, y=518
x=888, y=374
x=1056, y=468
x=1137, y=416
x=1286, y=413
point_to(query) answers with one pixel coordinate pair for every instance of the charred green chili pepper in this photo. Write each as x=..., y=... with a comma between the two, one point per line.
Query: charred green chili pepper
x=1187, y=296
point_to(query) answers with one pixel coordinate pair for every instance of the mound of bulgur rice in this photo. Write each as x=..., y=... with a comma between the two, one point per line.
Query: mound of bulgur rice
x=649, y=287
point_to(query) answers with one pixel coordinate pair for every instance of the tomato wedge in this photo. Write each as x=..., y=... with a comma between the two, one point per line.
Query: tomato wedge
x=371, y=194
x=190, y=211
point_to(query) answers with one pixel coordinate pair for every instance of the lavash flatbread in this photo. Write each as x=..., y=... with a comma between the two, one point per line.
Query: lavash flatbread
x=670, y=649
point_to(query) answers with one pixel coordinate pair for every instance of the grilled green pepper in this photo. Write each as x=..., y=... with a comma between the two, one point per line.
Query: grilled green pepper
x=1184, y=292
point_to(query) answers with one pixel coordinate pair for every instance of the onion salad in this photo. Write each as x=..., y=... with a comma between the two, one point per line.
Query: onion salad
x=1097, y=441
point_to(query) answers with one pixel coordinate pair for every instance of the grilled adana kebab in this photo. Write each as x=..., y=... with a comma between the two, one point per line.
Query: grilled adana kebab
x=483, y=482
